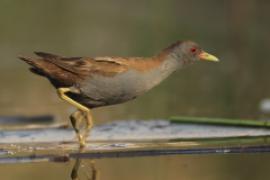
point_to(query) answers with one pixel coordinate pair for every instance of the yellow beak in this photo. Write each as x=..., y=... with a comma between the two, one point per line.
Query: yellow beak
x=208, y=57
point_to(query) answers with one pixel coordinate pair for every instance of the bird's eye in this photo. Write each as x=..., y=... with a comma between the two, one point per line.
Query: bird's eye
x=193, y=50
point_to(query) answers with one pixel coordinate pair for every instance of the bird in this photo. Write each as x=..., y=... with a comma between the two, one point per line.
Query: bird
x=91, y=82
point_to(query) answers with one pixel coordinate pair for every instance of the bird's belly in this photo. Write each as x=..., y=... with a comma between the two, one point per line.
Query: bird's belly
x=116, y=89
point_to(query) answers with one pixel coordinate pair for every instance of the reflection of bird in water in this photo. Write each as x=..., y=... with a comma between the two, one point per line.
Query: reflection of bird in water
x=87, y=83
x=92, y=174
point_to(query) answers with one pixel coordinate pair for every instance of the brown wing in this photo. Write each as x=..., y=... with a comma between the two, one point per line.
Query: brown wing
x=86, y=66
x=135, y=63
x=67, y=71
x=103, y=66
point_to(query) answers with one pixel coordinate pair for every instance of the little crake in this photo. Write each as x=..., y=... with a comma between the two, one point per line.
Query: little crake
x=87, y=82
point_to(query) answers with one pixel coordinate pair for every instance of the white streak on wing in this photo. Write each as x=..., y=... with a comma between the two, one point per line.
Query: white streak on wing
x=109, y=59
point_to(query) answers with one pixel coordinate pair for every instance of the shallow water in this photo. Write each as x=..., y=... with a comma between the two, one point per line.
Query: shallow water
x=241, y=154
x=149, y=161
x=204, y=167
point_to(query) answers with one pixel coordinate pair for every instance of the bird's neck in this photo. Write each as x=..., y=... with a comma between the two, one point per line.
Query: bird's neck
x=168, y=65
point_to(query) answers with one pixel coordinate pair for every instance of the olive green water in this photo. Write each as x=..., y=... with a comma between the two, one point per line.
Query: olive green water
x=208, y=160
x=235, y=32
x=245, y=166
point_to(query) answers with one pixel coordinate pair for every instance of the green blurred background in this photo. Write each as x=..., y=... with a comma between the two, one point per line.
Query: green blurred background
x=235, y=31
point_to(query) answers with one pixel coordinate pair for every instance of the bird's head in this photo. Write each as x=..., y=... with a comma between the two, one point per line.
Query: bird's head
x=189, y=52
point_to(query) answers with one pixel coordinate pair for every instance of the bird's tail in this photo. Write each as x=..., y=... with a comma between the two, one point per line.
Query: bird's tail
x=36, y=68
x=28, y=60
x=45, y=65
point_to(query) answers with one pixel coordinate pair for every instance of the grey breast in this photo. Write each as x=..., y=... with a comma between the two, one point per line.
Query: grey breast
x=120, y=88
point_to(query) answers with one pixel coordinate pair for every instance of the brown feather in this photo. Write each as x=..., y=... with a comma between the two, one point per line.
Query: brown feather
x=72, y=70
x=133, y=63
x=56, y=74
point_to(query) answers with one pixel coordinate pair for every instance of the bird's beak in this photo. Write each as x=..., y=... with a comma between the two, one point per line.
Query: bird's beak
x=207, y=57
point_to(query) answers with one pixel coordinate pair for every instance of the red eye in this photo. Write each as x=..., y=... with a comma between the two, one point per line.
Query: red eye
x=193, y=50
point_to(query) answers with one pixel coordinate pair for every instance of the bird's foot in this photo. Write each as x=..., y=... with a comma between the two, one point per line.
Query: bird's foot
x=82, y=123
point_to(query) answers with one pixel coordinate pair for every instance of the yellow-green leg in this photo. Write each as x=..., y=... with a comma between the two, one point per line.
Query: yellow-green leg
x=62, y=94
x=76, y=117
x=89, y=123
